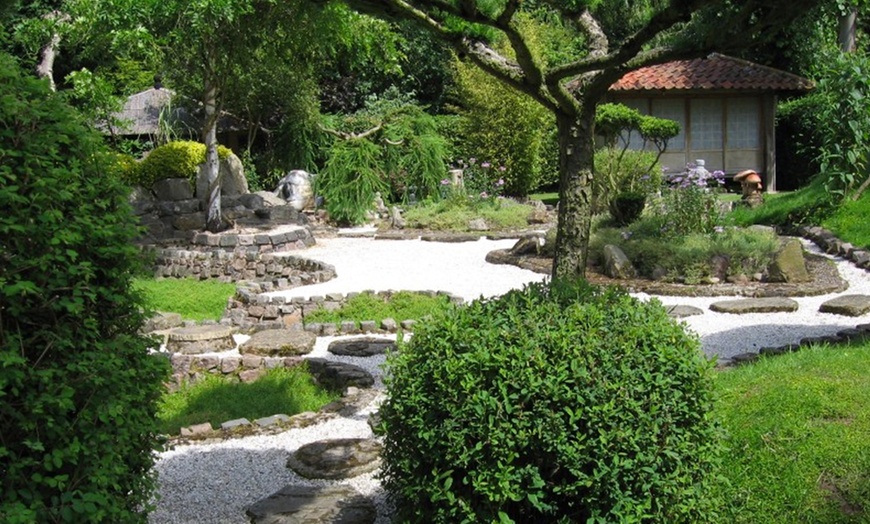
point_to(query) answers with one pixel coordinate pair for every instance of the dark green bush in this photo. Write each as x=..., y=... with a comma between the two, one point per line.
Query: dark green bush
x=78, y=390
x=559, y=403
x=626, y=207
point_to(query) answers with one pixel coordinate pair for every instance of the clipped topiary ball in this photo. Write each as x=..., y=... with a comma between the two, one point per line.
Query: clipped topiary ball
x=556, y=403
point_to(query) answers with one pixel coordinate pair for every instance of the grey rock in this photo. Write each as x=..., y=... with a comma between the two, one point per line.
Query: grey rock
x=788, y=264
x=235, y=423
x=196, y=429
x=313, y=505
x=679, y=311
x=389, y=324
x=477, y=224
x=161, y=321
x=173, y=189
x=755, y=305
x=193, y=340
x=361, y=347
x=396, y=220
x=847, y=305
x=616, y=264
x=528, y=245
x=295, y=189
x=231, y=175
x=279, y=342
x=336, y=459
x=339, y=375
x=271, y=421
x=269, y=199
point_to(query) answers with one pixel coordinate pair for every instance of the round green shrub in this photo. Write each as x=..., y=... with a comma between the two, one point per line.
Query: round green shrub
x=626, y=207
x=555, y=403
x=177, y=159
x=79, y=390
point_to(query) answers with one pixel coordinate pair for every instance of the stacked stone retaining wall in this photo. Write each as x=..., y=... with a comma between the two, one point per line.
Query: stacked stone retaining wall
x=269, y=271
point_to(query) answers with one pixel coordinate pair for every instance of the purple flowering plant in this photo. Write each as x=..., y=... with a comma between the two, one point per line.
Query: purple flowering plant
x=689, y=203
x=481, y=179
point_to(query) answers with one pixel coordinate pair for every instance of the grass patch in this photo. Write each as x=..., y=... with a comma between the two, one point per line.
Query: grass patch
x=551, y=199
x=403, y=305
x=798, y=427
x=191, y=298
x=454, y=214
x=809, y=205
x=215, y=399
x=849, y=221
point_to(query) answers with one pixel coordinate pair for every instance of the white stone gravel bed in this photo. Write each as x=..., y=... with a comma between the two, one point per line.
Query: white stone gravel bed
x=215, y=483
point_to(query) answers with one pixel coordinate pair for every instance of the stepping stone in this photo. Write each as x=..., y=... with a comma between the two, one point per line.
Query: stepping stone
x=755, y=305
x=847, y=305
x=314, y=505
x=342, y=458
x=338, y=375
x=361, y=347
x=450, y=237
x=279, y=343
x=194, y=340
x=683, y=311
x=161, y=321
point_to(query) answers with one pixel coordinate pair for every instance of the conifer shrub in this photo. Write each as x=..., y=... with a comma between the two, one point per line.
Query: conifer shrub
x=178, y=159
x=554, y=403
x=78, y=389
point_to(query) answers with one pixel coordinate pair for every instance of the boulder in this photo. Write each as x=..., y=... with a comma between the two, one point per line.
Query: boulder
x=788, y=264
x=336, y=459
x=232, y=173
x=847, y=305
x=478, y=224
x=528, y=245
x=173, y=189
x=279, y=343
x=313, y=505
x=161, y=321
x=270, y=199
x=295, y=189
x=232, y=178
x=616, y=264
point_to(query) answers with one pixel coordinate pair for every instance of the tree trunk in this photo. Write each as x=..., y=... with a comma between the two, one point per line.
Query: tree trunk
x=212, y=164
x=576, y=153
x=45, y=67
x=846, y=30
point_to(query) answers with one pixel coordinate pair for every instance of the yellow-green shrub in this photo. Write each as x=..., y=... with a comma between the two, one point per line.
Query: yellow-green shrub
x=177, y=159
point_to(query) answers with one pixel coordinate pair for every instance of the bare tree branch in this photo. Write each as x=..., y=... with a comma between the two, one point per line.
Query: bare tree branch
x=351, y=136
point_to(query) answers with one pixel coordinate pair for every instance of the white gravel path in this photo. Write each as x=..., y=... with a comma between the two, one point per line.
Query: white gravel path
x=215, y=483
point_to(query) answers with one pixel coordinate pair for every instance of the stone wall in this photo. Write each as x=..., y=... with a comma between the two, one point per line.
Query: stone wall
x=271, y=272
x=834, y=246
x=252, y=308
x=245, y=368
x=170, y=213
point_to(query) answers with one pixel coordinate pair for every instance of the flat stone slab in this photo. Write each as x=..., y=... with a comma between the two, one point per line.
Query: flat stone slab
x=200, y=339
x=314, y=505
x=755, y=305
x=342, y=458
x=339, y=375
x=279, y=343
x=683, y=311
x=847, y=305
x=361, y=347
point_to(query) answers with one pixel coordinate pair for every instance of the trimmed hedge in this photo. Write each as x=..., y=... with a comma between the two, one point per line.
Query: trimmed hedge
x=78, y=389
x=559, y=403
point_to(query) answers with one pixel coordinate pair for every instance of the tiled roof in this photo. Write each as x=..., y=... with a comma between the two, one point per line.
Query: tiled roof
x=714, y=72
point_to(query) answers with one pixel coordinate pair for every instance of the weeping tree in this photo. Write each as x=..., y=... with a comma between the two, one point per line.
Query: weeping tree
x=613, y=38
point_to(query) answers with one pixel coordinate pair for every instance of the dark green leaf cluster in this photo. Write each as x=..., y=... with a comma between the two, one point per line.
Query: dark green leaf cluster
x=613, y=119
x=560, y=402
x=78, y=390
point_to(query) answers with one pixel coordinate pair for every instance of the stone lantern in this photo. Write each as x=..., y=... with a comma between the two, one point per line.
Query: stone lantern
x=750, y=183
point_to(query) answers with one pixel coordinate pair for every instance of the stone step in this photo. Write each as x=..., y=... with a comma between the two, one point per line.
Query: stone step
x=335, y=459
x=194, y=340
x=755, y=305
x=314, y=505
x=361, y=346
x=847, y=305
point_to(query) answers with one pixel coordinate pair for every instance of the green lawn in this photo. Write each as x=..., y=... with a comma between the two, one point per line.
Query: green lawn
x=193, y=299
x=798, y=429
x=215, y=399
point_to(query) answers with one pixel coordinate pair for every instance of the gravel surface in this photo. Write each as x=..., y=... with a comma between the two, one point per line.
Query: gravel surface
x=215, y=483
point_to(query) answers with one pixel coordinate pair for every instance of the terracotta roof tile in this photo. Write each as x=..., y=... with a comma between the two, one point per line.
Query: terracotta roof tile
x=713, y=72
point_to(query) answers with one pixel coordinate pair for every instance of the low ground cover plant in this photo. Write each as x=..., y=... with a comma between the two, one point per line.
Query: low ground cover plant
x=216, y=399
x=455, y=214
x=797, y=426
x=402, y=305
x=559, y=402
x=191, y=298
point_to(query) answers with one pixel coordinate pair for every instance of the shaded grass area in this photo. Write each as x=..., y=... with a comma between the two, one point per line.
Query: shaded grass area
x=455, y=214
x=193, y=299
x=798, y=427
x=215, y=399
x=402, y=305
